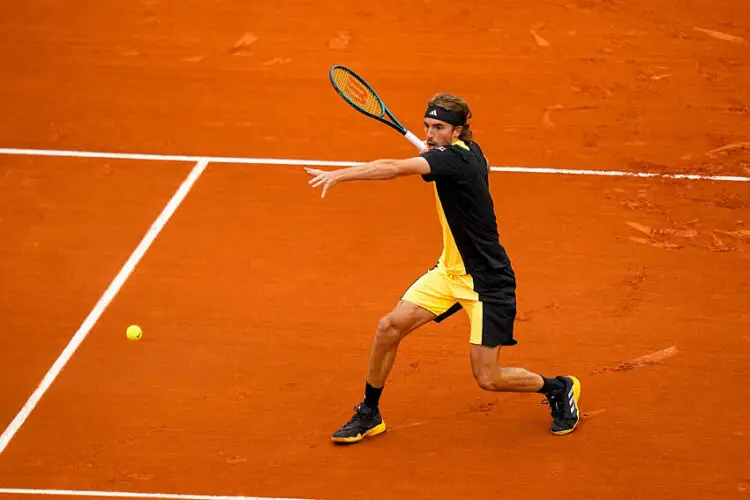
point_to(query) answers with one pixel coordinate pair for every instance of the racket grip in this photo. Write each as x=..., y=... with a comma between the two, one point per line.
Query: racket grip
x=415, y=140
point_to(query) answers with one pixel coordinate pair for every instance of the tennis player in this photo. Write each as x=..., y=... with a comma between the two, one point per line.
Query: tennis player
x=473, y=273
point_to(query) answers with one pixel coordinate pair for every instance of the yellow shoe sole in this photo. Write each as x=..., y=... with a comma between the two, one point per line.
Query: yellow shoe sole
x=576, y=396
x=378, y=429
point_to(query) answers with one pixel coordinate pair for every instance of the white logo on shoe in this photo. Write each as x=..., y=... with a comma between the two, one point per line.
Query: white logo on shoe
x=571, y=402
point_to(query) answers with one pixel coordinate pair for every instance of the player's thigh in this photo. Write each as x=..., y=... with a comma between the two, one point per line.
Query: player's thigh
x=484, y=359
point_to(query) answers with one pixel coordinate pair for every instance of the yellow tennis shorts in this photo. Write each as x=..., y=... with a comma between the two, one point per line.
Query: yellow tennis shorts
x=489, y=298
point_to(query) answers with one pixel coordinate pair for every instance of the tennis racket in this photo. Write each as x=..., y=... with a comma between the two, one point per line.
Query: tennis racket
x=362, y=97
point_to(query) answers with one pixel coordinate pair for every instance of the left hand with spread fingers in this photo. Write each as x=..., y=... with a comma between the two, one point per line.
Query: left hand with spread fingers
x=322, y=178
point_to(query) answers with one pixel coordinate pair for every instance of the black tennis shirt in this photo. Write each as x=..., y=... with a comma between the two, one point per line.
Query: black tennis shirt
x=465, y=208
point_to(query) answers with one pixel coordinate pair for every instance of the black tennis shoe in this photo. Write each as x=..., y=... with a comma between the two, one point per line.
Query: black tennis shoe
x=365, y=423
x=563, y=404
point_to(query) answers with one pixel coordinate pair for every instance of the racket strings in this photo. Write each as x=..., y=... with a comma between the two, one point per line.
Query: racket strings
x=358, y=94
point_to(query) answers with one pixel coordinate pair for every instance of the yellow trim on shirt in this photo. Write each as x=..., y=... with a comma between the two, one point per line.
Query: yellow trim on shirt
x=451, y=258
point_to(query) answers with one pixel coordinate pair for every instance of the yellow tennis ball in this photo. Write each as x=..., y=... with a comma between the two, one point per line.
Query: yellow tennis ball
x=134, y=332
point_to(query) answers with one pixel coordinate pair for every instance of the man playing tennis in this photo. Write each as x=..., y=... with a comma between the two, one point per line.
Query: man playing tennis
x=473, y=273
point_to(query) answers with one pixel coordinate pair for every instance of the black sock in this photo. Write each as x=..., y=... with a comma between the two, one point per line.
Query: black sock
x=372, y=396
x=550, y=384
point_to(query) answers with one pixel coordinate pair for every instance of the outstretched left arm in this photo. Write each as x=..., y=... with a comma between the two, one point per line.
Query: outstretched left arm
x=372, y=171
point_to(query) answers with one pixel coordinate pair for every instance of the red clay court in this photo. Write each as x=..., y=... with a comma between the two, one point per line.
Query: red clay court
x=258, y=300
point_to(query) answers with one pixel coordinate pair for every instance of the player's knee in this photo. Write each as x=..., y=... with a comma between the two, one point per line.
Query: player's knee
x=387, y=331
x=485, y=380
x=489, y=378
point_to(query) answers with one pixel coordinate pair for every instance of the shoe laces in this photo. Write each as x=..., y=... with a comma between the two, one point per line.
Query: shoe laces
x=555, y=405
x=359, y=414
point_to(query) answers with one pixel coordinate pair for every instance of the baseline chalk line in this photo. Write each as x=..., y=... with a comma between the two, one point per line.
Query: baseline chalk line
x=326, y=163
x=124, y=494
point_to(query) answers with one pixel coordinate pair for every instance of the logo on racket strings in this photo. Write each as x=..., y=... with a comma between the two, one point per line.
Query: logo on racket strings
x=357, y=93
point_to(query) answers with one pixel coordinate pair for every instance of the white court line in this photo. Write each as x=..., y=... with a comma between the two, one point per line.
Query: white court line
x=617, y=173
x=123, y=494
x=102, y=304
x=151, y=157
x=324, y=163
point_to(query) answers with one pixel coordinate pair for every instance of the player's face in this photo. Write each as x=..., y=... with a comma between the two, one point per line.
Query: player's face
x=439, y=133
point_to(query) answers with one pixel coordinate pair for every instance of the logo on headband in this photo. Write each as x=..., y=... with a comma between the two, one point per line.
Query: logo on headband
x=453, y=117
